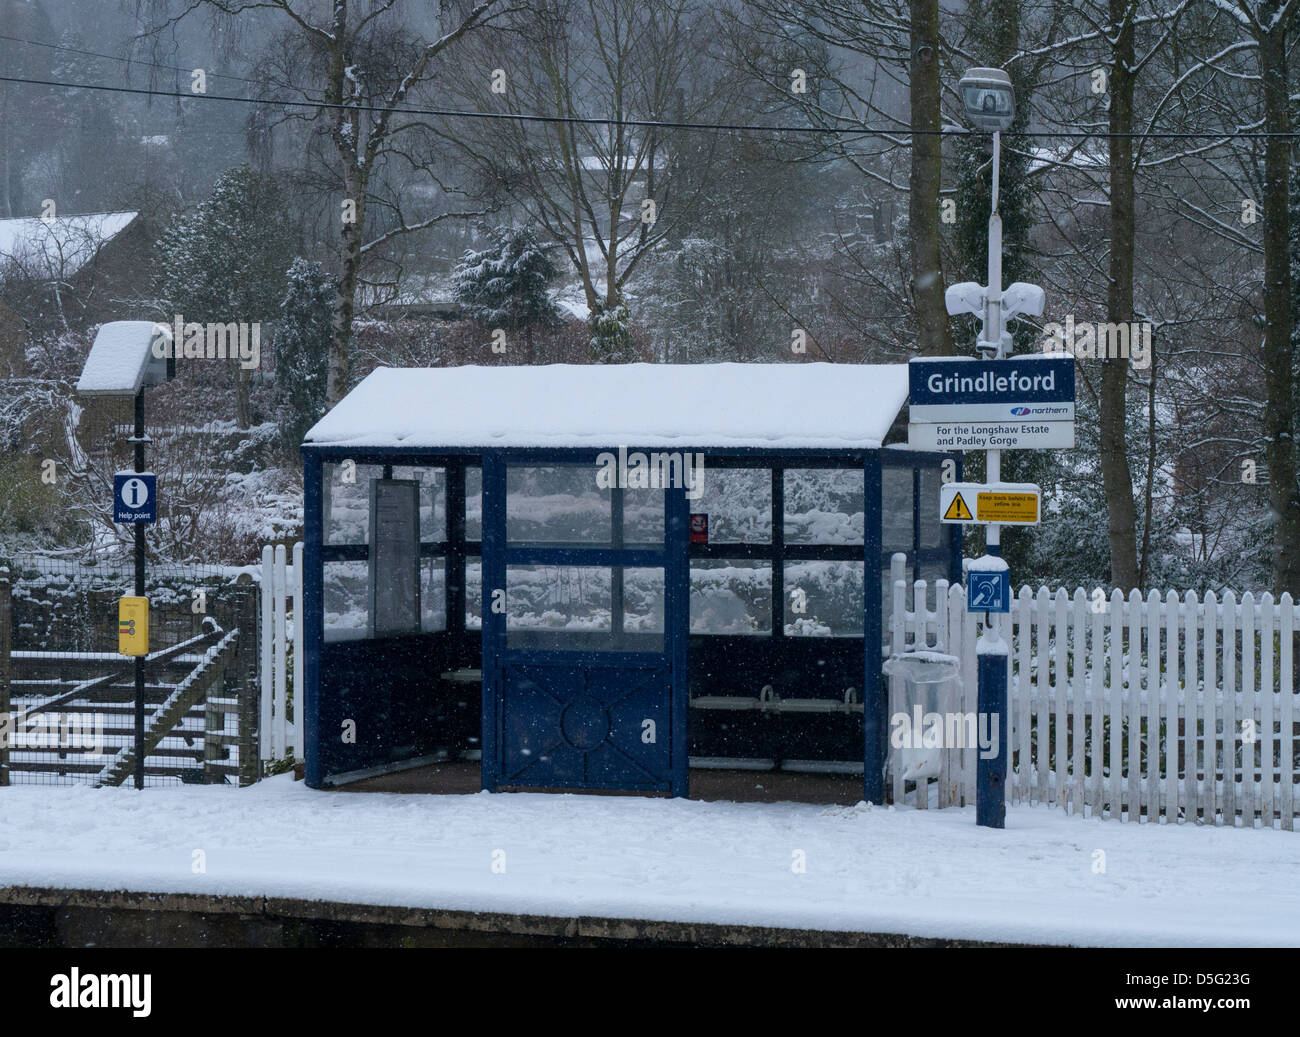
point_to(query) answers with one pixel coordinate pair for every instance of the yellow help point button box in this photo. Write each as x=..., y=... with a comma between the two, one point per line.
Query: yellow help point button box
x=1014, y=504
x=132, y=626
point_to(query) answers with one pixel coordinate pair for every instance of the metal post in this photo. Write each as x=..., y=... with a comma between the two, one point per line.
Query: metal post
x=7, y=721
x=875, y=693
x=993, y=329
x=993, y=333
x=139, y=441
x=991, y=774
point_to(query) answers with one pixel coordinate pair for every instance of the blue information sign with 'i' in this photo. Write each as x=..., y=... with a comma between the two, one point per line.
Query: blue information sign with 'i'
x=135, y=497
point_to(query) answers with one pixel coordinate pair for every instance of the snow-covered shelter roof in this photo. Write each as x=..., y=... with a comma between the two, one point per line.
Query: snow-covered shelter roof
x=773, y=406
x=61, y=245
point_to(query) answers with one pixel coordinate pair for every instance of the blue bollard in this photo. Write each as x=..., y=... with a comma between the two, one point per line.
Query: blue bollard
x=991, y=774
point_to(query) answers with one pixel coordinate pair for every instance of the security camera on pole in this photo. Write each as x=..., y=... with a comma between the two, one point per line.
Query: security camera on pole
x=992, y=403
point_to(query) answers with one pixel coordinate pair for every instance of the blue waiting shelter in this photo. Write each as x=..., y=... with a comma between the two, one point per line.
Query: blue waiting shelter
x=589, y=577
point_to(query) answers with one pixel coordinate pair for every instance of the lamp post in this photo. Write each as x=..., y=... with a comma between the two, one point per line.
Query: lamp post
x=990, y=105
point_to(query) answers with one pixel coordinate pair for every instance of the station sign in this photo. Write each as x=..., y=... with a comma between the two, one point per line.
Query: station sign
x=1014, y=504
x=1029, y=389
x=991, y=435
x=135, y=497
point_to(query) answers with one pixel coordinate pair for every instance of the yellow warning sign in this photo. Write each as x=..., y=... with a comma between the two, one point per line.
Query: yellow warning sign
x=1006, y=507
x=1014, y=503
x=132, y=626
x=957, y=511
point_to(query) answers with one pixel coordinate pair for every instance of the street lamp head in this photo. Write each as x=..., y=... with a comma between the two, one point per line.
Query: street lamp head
x=988, y=98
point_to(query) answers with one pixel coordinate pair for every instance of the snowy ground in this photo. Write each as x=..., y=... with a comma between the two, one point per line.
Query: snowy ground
x=927, y=873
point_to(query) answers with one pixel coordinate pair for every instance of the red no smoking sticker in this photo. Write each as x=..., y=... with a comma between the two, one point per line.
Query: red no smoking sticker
x=699, y=528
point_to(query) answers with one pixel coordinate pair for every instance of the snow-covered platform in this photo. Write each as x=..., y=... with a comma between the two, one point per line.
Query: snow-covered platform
x=929, y=874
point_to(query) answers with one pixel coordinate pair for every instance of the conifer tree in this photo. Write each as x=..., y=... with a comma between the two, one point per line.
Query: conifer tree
x=302, y=337
x=226, y=260
x=505, y=286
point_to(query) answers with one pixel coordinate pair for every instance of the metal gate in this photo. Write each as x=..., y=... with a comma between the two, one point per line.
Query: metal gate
x=584, y=629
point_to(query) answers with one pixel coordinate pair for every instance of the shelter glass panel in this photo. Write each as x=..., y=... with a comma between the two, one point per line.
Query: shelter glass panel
x=933, y=532
x=347, y=503
x=346, y=594
x=473, y=502
x=823, y=505
x=473, y=593
x=823, y=599
x=433, y=594
x=643, y=518
x=896, y=509
x=557, y=504
x=584, y=608
x=433, y=500
x=731, y=596
x=738, y=502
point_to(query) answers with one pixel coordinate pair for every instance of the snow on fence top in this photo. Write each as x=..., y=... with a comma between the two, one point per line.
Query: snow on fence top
x=830, y=406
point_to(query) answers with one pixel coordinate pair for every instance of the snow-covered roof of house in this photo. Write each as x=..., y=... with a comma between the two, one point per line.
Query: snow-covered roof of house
x=629, y=164
x=61, y=245
x=813, y=405
x=430, y=290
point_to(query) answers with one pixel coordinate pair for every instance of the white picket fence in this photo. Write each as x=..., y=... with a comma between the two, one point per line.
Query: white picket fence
x=1132, y=708
x=280, y=728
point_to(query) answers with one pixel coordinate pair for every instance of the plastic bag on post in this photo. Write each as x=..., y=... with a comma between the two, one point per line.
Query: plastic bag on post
x=916, y=736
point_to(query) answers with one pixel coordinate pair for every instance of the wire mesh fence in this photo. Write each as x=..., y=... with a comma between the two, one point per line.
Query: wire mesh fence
x=67, y=697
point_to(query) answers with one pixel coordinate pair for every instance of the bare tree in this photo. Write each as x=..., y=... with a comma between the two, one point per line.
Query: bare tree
x=876, y=63
x=934, y=336
x=1099, y=60
x=1268, y=22
x=364, y=68
x=1116, y=473
x=606, y=191
x=1234, y=71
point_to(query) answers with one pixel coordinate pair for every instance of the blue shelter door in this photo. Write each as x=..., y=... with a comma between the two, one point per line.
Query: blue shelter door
x=585, y=612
